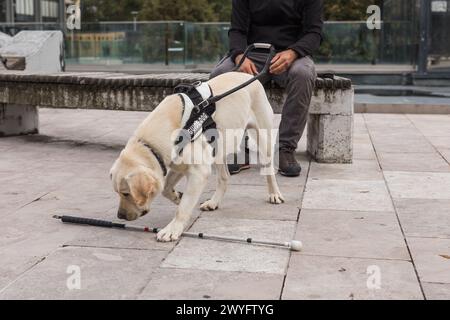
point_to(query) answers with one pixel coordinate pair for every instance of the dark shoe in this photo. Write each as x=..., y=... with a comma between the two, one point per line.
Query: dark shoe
x=235, y=168
x=289, y=166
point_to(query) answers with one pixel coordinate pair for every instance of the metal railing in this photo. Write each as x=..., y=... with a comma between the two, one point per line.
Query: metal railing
x=190, y=44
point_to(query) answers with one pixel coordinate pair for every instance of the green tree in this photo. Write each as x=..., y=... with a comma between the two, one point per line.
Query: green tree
x=107, y=10
x=221, y=9
x=348, y=10
x=187, y=10
x=201, y=10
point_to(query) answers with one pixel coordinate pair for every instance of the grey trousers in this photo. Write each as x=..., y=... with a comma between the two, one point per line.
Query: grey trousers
x=299, y=82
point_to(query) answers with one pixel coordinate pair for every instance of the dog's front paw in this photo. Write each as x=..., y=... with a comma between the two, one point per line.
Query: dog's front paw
x=276, y=198
x=171, y=232
x=209, y=205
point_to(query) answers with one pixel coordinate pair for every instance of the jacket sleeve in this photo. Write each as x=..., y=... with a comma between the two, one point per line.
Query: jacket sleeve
x=312, y=22
x=240, y=22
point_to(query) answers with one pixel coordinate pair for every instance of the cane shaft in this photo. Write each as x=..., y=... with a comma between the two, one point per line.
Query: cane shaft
x=91, y=222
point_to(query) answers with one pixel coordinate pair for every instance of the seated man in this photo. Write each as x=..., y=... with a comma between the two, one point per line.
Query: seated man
x=294, y=28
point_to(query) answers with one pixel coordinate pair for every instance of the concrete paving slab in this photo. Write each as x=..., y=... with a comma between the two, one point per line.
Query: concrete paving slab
x=436, y=291
x=17, y=263
x=321, y=278
x=185, y=284
x=347, y=195
x=424, y=218
x=104, y=274
x=401, y=142
x=431, y=125
x=351, y=234
x=432, y=258
x=415, y=162
x=359, y=170
x=31, y=234
x=439, y=142
x=225, y=256
x=393, y=121
x=241, y=200
x=35, y=222
x=64, y=152
x=418, y=185
x=363, y=151
x=359, y=124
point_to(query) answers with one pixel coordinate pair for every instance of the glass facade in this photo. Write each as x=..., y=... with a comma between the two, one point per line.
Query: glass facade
x=25, y=11
x=50, y=10
x=203, y=44
x=439, y=50
x=2, y=11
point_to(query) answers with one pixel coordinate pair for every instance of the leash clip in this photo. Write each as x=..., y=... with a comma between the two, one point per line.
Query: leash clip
x=202, y=105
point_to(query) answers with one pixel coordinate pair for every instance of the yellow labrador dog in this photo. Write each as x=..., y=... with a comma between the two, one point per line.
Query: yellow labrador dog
x=138, y=174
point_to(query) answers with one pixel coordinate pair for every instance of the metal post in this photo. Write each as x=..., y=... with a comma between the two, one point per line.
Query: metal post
x=185, y=40
x=62, y=14
x=135, y=15
x=166, y=40
x=424, y=32
x=37, y=11
x=9, y=11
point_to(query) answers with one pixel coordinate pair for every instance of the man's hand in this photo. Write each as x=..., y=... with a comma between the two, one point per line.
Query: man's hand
x=248, y=66
x=283, y=61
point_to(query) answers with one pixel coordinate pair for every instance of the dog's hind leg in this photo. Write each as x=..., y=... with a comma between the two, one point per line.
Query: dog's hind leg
x=265, y=149
x=264, y=134
x=197, y=177
x=173, y=177
x=221, y=188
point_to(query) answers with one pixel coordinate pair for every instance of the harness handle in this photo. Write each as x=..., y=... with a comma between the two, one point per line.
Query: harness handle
x=259, y=46
x=271, y=53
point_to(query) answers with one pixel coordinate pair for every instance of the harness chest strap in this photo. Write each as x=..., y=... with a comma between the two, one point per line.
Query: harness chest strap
x=197, y=111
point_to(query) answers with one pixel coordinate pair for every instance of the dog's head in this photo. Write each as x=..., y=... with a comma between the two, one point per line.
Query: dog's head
x=136, y=186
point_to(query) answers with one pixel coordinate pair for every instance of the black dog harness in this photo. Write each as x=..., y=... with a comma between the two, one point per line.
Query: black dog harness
x=198, y=110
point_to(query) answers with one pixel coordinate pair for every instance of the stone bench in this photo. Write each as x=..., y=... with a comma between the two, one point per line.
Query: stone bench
x=330, y=123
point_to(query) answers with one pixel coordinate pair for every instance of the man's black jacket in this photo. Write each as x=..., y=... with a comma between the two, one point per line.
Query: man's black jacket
x=293, y=24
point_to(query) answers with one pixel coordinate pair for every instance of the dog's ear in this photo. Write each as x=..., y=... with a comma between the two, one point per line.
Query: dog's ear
x=141, y=185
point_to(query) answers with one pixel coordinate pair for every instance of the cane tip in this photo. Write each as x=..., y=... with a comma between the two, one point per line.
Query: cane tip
x=296, y=245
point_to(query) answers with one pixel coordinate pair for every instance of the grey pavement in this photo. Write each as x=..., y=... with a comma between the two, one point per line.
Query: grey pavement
x=375, y=229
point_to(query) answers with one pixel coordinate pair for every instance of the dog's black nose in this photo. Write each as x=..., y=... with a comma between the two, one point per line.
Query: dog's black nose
x=144, y=212
x=121, y=215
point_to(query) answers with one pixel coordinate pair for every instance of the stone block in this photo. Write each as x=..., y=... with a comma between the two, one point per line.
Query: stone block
x=332, y=102
x=330, y=138
x=18, y=120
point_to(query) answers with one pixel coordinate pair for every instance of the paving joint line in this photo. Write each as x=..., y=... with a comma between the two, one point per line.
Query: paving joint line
x=34, y=200
x=141, y=290
x=395, y=210
x=296, y=227
x=107, y=247
x=23, y=274
x=425, y=137
x=354, y=257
